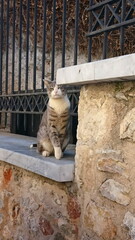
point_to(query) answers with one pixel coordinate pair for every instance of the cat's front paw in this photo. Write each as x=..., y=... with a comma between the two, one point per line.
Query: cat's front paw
x=58, y=153
x=45, y=154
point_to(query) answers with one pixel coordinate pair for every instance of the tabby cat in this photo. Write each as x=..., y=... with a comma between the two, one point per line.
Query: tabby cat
x=53, y=134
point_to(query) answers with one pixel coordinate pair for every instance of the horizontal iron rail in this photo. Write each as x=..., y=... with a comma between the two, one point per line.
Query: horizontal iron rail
x=35, y=93
x=99, y=5
x=112, y=27
x=25, y=112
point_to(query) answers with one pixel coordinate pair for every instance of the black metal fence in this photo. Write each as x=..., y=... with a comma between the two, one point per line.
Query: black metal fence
x=23, y=98
x=34, y=32
x=113, y=22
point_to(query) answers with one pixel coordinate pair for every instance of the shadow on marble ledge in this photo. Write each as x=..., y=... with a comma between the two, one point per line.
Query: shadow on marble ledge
x=15, y=149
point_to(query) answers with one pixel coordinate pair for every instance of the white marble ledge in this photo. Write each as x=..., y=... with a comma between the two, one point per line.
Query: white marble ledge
x=113, y=69
x=14, y=149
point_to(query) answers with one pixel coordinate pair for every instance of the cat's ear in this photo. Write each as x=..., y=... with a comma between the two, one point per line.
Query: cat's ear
x=47, y=82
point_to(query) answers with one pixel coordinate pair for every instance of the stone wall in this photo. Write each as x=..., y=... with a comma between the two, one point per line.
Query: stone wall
x=105, y=166
x=99, y=204
x=32, y=207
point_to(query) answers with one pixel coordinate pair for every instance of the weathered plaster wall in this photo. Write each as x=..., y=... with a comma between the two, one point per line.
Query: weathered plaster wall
x=32, y=207
x=105, y=161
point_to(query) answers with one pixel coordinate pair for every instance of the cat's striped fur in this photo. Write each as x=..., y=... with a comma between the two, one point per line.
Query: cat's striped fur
x=53, y=135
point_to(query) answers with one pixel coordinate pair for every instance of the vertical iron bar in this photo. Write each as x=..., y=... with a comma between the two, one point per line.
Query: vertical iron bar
x=27, y=46
x=0, y=119
x=76, y=31
x=18, y=120
x=13, y=47
x=35, y=45
x=20, y=48
x=7, y=45
x=5, y=120
x=25, y=122
x=32, y=122
x=53, y=40
x=90, y=38
x=64, y=32
x=123, y=7
x=44, y=44
x=72, y=107
x=105, y=33
x=1, y=44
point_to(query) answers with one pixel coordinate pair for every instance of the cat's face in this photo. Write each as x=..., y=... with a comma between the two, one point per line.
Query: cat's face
x=54, y=90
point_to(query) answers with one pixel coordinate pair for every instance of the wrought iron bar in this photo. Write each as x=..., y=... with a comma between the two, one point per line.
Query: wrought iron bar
x=25, y=123
x=105, y=42
x=110, y=28
x=1, y=44
x=76, y=31
x=32, y=122
x=99, y=5
x=20, y=48
x=111, y=18
x=27, y=46
x=53, y=40
x=64, y=32
x=122, y=28
x=13, y=47
x=5, y=119
x=44, y=44
x=90, y=38
x=35, y=45
x=70, y=91
x=18, y=120
x=7, y=47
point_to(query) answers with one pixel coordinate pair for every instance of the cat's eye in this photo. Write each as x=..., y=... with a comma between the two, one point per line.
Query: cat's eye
x=60, y=87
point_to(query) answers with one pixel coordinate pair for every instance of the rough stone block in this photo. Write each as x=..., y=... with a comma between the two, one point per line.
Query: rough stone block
x=129, y=221
x=115, y=191
x=111, y=165
x=98, y=219
x=127, y=126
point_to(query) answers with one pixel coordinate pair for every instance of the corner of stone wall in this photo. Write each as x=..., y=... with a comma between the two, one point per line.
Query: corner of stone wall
x=105, y=166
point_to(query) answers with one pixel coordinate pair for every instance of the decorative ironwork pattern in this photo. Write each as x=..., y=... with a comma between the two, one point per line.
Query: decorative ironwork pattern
x=21, y=103
x=33, y=103
x=107, y=16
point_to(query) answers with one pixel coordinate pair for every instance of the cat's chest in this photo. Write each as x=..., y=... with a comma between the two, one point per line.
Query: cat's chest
x=59, y=105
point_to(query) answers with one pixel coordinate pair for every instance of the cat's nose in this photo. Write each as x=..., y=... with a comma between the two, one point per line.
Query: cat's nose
x=55, y=91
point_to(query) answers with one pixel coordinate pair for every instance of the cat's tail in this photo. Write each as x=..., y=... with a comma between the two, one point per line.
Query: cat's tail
x=34, y=145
